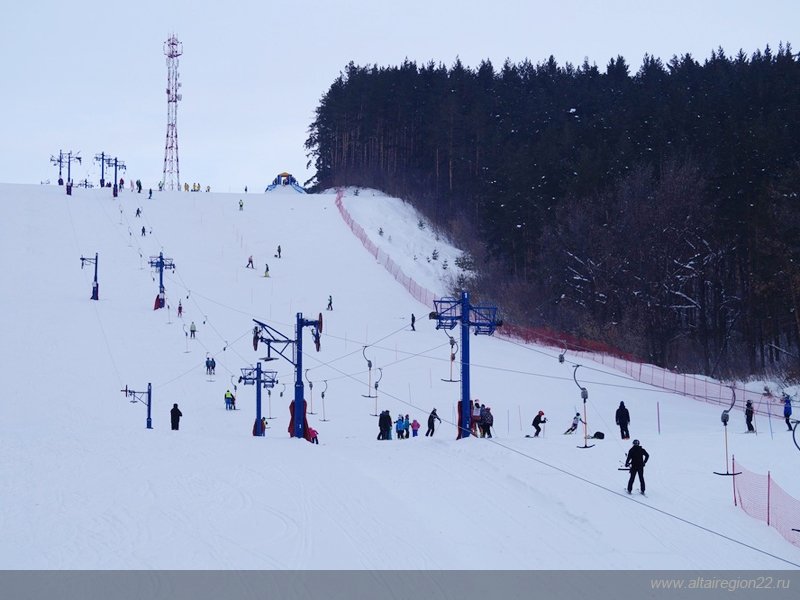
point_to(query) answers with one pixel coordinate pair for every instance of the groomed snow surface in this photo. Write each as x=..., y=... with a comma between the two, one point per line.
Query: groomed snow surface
x=84, y=485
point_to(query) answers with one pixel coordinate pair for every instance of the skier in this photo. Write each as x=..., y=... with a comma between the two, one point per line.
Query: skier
x=208, y=366
x=432, y=418
x=279, y=251
x=330, y=303
x=245, y=189
x=175, y=415
x=414, y=428
x=249, y=264
x=180, y=309
x=263, y=426
x=213, y=366
x=143, y=231
x=150, y=194
x=413, y=320
x=138, y=212
x=636, y=460
x=787, y=410
x=539, y=419
x=241, y=204
x=229, y=400
x=266, y=269
x=748, y=416
x=121, y=184
x=192, y=330
x=575, y=420
x=623, y=417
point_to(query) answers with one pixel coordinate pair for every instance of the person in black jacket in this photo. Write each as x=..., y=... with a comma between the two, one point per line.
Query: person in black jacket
x=748, y=416
x=384, y=425
x=432, y=418
x=175, y=414
x=623, y=417
x=538, y=420
x=637, y=459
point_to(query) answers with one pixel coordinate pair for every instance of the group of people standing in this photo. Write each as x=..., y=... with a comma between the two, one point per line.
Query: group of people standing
x=482, y=419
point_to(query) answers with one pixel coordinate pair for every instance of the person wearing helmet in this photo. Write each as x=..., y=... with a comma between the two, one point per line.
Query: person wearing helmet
x=538, y=420
x=575, y=420
x=636, y=460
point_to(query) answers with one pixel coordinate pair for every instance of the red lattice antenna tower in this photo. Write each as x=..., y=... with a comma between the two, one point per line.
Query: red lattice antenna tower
x=172, y=173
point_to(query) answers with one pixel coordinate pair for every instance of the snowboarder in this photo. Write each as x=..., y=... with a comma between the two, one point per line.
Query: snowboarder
x=241, y=204
x=249, y=264
x=623, y=417
x=228, y=400
x=330, y=303
x=787, y=410
x=575, y=420
x=413, y=320
x=175, y=415
x=414, y=428
x=538, y=420
x=180, y=309
x=636, y=460
x=192, y=330
x=748, y=416
x=279, y=251
x=432, y=418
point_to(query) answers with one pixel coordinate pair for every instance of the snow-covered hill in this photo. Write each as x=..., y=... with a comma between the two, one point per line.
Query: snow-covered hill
x=84, y=485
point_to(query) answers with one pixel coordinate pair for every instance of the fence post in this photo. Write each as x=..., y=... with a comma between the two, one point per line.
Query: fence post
x=658, y=416
x=733, y=469
x=769, y=486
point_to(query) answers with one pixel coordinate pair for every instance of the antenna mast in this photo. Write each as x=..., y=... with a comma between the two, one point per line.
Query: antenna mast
x=172, y=174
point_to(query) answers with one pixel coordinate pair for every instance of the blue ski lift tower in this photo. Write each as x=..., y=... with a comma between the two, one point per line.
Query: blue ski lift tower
x=449, y=312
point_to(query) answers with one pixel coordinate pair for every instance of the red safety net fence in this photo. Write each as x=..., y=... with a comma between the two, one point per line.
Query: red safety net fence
x=421, y=293
x=695, y=386
x=763, y=499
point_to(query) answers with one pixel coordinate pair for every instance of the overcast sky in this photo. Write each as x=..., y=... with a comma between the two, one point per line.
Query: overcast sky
x=90, y=76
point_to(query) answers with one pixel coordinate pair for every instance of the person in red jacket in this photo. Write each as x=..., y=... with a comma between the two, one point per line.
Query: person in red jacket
x=312, y=436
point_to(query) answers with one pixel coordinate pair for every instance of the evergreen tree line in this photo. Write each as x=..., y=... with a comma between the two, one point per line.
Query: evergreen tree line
x=656, y=212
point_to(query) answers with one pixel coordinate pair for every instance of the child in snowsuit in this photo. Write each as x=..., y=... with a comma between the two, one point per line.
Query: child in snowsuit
x=414, y=428
x=398, y=427
x=312, y=436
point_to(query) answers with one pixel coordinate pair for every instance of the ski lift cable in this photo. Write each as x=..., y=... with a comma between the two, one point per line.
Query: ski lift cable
x=642, y=504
